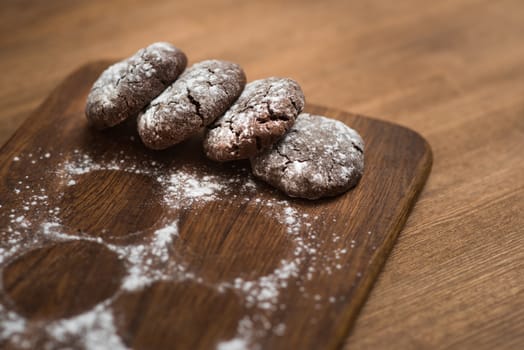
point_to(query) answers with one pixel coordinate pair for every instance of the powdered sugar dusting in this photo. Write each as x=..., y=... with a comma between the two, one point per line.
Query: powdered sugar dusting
x=192, y=188
x=96, y=328
x=233, y=344
x=11, y=325
x=37, y=222
x=264, y=292
x=147, y=263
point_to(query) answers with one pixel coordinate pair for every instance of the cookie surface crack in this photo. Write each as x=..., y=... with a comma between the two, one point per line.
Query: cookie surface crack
x=195, y=103
x=287, y=162
x=357, y=147
x=294, y=105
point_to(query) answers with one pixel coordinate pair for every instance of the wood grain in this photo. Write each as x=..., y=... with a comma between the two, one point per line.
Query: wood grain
x=234, y=237
x=62, y=280
x=452, y=70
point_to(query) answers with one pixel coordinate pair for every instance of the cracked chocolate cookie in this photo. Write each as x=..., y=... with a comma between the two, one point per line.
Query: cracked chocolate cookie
x=263, y=113
x=201, y=94
x=126, y=87
x=318, y=157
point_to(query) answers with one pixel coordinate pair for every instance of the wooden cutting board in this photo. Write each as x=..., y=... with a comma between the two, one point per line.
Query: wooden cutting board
x=105, y=243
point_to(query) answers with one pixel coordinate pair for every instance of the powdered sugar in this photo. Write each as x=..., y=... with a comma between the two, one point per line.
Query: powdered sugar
x=264, y=292
x=151, y=258
x=11, y=324
x=147, y=263
x=233, y=344
x=190, y=187
x=94, y=329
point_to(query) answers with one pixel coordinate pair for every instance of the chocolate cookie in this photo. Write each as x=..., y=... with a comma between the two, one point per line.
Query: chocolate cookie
x=128, y=86
x=201, y=94
x=263, y=113
x=319, y=157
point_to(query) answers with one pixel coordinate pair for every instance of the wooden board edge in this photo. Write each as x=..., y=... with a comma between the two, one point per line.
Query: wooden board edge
x=50, y=101
x=380, y=256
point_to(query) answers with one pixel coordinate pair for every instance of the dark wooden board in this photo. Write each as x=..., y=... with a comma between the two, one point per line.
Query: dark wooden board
x=65, y=234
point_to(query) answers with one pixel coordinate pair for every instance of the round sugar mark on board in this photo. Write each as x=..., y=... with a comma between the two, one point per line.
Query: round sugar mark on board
x=62, y=280
x=167, y=314
x=234, y=241
x=111, y=204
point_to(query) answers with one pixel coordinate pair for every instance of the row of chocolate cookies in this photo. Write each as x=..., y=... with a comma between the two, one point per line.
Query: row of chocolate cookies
x=312, y=158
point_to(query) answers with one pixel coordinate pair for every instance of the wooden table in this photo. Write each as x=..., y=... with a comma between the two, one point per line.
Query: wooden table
x=451, y=70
